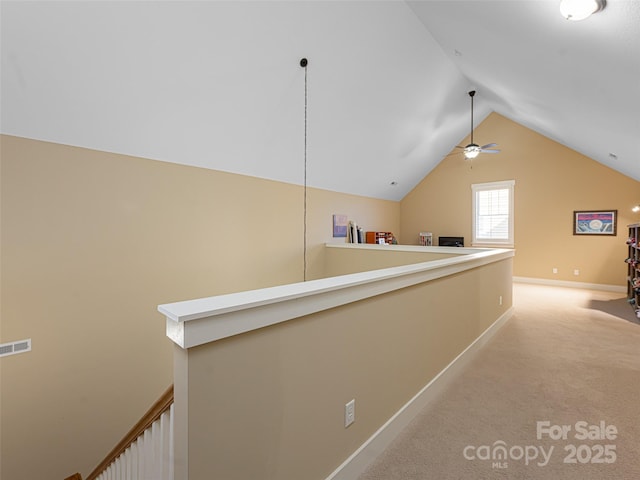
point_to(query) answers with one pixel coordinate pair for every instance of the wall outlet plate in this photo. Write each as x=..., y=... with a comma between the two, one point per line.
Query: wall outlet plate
x=350, y=413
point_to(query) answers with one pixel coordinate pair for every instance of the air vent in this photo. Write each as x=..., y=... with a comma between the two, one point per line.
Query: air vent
x=20, y=346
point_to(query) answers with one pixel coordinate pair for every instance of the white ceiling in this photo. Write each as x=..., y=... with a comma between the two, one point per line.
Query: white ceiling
x=218, y=84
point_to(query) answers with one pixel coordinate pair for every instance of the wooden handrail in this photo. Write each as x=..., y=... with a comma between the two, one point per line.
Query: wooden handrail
x=75, y=476
x=153, y=414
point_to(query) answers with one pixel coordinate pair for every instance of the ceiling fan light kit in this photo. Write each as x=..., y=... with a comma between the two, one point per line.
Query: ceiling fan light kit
x=471, y=151
x=580, y=9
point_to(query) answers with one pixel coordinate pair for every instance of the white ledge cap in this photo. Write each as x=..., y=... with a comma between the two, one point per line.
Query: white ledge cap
x=194, y=322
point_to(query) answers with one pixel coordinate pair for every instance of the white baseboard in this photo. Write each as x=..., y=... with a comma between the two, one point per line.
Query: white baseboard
x=357, y=463
x=565, y=283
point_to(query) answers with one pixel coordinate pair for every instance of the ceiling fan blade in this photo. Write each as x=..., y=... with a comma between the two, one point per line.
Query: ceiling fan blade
x=460, y=146
x=482, y=150
x=488, y=145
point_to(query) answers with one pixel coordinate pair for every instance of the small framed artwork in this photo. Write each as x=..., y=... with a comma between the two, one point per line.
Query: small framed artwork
x=340, y=225
x=595, y=222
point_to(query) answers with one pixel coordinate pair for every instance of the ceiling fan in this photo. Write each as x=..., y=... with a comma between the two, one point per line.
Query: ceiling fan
x=472, y=150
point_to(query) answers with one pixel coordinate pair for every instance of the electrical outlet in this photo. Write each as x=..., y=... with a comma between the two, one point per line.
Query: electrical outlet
x=554, y=270
x=576, y=272
x=500, y=300
x=350, y=413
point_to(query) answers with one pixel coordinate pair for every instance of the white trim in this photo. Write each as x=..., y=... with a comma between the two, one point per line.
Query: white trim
x=407, y=248
x=195, y=322
x=493, y=185
x=357, y=463
x=484, y=245
x=481, y=187
x=565, y=283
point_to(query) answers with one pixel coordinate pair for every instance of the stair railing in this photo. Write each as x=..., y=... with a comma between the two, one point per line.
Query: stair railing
x=146, y=451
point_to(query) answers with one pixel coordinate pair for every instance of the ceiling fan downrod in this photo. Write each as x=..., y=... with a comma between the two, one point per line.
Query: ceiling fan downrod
x=471, y=94
x=472, y=150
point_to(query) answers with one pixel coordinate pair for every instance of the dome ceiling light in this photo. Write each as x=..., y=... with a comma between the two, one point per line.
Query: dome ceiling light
x=580, y=9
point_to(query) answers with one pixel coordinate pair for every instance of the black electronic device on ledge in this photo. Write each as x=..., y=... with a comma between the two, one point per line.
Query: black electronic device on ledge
x=451, y=241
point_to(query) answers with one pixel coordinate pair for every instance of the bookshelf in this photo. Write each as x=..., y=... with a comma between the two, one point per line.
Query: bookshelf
x=374, y=237
x=633, y=267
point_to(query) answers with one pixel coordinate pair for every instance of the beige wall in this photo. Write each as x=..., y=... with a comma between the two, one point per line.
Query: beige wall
x=92, y=242
x=342, y=261
x=269, y=404
x=551, y=182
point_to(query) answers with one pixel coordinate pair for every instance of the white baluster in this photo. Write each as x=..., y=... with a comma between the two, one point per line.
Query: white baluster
x=134, y=460
x=149, y=457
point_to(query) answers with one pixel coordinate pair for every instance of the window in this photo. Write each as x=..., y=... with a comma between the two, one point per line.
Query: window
x=493, y=213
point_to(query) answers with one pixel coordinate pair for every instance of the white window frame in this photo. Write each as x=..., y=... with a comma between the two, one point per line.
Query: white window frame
x=479, y=187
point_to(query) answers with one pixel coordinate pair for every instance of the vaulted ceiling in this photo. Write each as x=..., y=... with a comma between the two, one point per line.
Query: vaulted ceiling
x=218, y=84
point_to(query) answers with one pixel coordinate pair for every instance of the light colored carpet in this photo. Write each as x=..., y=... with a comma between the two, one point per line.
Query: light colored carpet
x=566, y=356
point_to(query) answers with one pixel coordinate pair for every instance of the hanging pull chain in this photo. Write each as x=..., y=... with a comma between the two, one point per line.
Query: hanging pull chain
x=303, y=64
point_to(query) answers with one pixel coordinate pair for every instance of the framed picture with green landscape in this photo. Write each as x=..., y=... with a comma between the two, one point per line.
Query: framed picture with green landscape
x=595, y=222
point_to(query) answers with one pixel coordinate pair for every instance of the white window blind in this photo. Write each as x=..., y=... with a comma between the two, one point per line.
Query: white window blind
x=493, y=213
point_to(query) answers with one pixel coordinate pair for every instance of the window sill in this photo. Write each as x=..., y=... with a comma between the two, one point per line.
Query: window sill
x=492, y=245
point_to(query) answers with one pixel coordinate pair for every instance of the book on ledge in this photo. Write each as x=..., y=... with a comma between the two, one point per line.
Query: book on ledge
x=355, y=234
